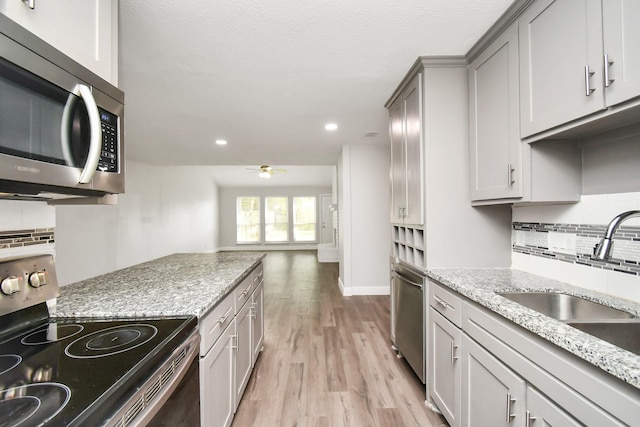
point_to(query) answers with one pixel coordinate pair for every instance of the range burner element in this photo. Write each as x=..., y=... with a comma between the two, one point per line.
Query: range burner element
x=51, y=333
x=109, y=341
x=8, y=362
x=32, y=404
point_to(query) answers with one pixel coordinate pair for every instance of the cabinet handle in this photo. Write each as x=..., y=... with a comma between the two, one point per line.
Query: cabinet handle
x=607, y=63
x=253, y=310
x=223, y=318
x=529, y=419
x=234, y=342
x=30, y=3
x=442, y=302
x=510, y=171
x=510, y=402
x=246, y=291
x=587, y=81
x=453, y=353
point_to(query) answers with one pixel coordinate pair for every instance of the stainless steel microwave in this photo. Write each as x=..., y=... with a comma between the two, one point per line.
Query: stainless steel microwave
x=61, y=125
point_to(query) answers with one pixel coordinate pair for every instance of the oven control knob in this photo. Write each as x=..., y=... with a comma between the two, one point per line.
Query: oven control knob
x=37, y=279
x=10, y=285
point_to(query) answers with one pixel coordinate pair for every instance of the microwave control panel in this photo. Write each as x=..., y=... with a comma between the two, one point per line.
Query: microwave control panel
x=109, y=154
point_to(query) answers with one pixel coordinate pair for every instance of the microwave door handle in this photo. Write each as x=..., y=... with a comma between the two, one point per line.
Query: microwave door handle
x=65, y=134
x=95, y=145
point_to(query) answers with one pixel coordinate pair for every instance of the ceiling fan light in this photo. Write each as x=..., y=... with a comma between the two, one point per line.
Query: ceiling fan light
x=264, y=174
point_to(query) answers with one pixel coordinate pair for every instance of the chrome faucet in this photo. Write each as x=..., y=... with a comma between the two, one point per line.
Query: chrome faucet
x=602, y=250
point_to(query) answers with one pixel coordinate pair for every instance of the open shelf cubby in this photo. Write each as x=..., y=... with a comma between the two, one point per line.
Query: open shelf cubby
x=408, y=244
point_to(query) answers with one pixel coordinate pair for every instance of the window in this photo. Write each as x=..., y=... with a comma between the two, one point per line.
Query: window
x=268, y=219
x=304, y=219
x=248, y=219
x=276, y=219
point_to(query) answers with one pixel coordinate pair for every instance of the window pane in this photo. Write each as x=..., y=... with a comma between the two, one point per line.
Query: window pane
x=276, y=219
x=304, y=219
x=248, y=219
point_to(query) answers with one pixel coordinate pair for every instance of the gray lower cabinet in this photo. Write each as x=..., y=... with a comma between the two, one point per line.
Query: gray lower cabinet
x=543, y=412
x=257, y=321
x=486, y=371
x=216, y=381
x=492, y=394
x=232, y=336
x=444, y=372
x=244, y=352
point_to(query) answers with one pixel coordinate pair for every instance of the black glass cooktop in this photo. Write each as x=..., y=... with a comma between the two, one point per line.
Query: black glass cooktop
x=65, y=372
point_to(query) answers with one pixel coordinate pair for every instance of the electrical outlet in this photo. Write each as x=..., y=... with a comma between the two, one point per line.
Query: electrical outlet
x=564, y=243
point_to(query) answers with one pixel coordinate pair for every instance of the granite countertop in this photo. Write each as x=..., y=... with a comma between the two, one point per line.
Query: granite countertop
x=175, y=285
x=481, y=285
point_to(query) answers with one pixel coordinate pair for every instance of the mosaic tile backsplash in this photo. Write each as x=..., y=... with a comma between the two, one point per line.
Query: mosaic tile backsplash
x=574, y=243
x=22, y=238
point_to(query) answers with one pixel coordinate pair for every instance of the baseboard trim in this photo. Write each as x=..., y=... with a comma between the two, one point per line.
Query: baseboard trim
x=363, y=290
x=269, y=248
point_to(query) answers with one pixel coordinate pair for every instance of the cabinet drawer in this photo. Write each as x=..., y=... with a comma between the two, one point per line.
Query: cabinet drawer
x=242, y=292
x=215, y=322
x=446, y=303
x=257, y=276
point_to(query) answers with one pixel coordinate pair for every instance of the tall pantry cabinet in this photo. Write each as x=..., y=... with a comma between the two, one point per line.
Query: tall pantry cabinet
x=428, y=116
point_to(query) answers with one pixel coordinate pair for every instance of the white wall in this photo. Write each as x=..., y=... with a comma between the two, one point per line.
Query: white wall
x=164, y=210
x=364, y=231
x=17, y=216
x=227, y=220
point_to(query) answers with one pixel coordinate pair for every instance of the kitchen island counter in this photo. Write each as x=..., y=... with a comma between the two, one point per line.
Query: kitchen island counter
x=481, y=286
x=180, y=284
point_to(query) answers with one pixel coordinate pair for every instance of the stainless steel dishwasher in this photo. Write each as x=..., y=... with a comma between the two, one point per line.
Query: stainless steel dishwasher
x=408, y=316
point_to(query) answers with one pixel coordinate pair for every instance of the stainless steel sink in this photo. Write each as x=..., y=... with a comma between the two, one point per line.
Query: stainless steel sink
x=565, y=307
x=622, y=334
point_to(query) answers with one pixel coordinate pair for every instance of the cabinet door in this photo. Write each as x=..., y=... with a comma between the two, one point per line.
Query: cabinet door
x=492, y=394
x=621, y=34
x=216, y=382
x=257, y=318
x=495, y=146
x=558, y=40
x=413, y=151
x=543, y=412
x=444, y=380
x=85, y=30
x=398, y=173
x=244, y=352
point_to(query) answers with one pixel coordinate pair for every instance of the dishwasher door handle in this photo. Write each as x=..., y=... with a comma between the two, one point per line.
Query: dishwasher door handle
x=404, y=279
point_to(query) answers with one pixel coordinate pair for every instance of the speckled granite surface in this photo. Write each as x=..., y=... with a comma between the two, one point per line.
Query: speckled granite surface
x=480, y=286
x=175, y=285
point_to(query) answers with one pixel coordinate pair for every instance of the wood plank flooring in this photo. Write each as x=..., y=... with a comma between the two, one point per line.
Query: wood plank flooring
x=327, y=360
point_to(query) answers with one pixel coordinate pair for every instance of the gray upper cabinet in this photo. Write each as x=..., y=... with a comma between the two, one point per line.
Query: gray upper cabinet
x=560, y=63
x=622, y=50
x=495, y=146
x=406, y=155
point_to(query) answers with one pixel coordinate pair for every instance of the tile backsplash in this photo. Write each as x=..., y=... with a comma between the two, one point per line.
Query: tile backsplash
x=26, y=242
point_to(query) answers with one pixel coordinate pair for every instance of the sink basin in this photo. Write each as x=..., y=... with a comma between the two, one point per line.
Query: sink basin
x=565, y=307
x=622, y=334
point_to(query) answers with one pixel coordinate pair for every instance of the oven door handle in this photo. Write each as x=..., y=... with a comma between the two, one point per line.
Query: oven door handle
x=149, y=408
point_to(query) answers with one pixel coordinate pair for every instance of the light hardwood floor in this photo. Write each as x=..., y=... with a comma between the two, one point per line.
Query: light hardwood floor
x=327, y=360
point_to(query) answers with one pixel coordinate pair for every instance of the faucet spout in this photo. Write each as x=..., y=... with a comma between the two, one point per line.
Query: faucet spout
x=602, y=250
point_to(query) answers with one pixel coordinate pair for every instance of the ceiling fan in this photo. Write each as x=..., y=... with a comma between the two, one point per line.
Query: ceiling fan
x=265, y=171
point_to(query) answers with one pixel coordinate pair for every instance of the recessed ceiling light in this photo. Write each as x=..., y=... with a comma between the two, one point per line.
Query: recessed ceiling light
x=331, y=126
x=221, y=141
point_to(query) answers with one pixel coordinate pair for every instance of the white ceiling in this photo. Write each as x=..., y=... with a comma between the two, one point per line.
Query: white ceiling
x=266, y=75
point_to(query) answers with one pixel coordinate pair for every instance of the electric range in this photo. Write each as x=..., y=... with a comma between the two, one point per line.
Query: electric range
x=89, y=372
